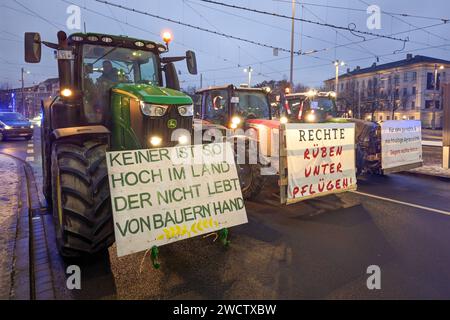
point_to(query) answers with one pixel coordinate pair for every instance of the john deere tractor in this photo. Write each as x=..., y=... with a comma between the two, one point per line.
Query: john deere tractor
x=112, y=97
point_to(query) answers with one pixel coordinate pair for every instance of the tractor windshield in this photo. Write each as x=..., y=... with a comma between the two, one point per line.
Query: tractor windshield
x=253, y=105
x=105, y=67
x=296, y=107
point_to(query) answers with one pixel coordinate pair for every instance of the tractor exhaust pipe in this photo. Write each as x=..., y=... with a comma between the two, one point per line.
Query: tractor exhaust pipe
x=64, y=69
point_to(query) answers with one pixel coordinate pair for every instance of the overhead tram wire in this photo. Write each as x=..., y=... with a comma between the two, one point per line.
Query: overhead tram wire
x=410, y=24
x=37, y=14
x=405, y=15
x=146, y=31
x=237, y=65
x=212, y=25
x=343, y=35
x=258, y=21
x=323, y=24
x=196, y=27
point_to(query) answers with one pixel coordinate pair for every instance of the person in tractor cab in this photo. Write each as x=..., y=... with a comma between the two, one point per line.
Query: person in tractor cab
x=109, y=73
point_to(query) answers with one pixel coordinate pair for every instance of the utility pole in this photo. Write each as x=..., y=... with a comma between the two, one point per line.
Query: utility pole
x=337, y=63
x=23, y=89
x=291, y=78
x=201, y=80
x=249, y=70
x=433, y=118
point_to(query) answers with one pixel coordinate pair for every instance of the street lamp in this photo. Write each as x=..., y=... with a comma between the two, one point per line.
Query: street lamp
x=23, y=88
x=337, y=64
x=433, y=119
x=249, y=70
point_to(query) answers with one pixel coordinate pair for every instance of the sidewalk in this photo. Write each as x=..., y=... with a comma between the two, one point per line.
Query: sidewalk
x=9, y=203
x=432, y=162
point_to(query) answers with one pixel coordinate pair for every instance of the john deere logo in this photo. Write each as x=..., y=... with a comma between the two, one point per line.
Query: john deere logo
x=172, y=124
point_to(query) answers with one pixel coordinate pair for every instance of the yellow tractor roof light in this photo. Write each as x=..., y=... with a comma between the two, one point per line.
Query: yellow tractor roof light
x=167, y=37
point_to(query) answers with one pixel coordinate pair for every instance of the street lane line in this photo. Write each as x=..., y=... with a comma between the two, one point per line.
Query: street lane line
x=30, y=151
x=30, y=145
x=29, y=159
x=403, y=203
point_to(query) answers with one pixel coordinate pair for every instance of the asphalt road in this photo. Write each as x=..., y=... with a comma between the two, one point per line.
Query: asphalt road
x=319, y=248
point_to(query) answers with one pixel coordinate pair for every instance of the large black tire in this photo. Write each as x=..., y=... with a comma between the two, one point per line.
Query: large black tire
x=250, y=177
x=80, y=197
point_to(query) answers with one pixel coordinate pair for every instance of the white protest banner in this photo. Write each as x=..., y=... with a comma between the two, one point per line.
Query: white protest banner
x=320, y=159
x=401, y=143
x=160, y=196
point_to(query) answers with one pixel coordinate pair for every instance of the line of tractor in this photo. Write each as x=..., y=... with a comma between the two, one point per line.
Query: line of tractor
x=120, y=93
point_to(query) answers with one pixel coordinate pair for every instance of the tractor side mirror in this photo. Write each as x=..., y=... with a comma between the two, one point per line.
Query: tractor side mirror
x=171, y=75
x=191, y=62
x=32, y=47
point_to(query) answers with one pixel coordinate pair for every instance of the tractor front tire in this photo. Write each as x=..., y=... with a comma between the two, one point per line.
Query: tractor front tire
x=80, y=197
x=250, y=177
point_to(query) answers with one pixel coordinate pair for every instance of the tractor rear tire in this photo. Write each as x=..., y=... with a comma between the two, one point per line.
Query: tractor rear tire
x=80, y=197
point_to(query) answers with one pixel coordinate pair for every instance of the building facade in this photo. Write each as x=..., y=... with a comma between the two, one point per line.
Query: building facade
x=397, y=90
x=11, y=99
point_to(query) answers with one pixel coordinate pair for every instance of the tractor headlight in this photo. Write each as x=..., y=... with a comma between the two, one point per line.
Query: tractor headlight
x=155, y=141
x=153, y=110
x=183, y=139
x=310, y=117
x=186, y=111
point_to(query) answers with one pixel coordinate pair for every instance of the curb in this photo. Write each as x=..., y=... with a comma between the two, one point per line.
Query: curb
x=21, y=274
x=424, y=175
x=32, y=277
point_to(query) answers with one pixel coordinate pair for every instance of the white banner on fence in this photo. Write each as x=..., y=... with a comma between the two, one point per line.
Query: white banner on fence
x=160, y=196
x=320, y=159
x=401, y=143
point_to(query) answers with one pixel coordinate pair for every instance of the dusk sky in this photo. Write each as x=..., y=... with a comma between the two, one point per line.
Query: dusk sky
x=222, y=60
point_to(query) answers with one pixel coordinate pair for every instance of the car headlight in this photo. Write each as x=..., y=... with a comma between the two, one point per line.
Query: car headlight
x=284, y=119
x=153, y=110
x=7, y=127
x=186, y=111
x=32, y=126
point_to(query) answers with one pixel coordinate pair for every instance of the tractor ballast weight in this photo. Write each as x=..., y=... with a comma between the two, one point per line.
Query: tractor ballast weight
x=111, y=98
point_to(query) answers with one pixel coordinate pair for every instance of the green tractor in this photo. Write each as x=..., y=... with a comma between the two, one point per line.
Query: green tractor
x=112, y=97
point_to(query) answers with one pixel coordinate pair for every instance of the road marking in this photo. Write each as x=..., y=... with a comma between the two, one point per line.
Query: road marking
x=29, y=159
x=30, y=151
x=403, y=203
x=432, y=143
x=30, y=145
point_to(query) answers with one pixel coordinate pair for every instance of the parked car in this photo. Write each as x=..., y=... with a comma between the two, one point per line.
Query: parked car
x=14, y=125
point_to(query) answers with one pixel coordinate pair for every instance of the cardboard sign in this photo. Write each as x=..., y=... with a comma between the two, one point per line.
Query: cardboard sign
x=320, y=159
x=401, y=144
x=160, y=196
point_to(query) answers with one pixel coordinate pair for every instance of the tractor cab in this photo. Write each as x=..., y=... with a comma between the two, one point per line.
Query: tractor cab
x=311, y=106
x=118, y=82
x=233, y=107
